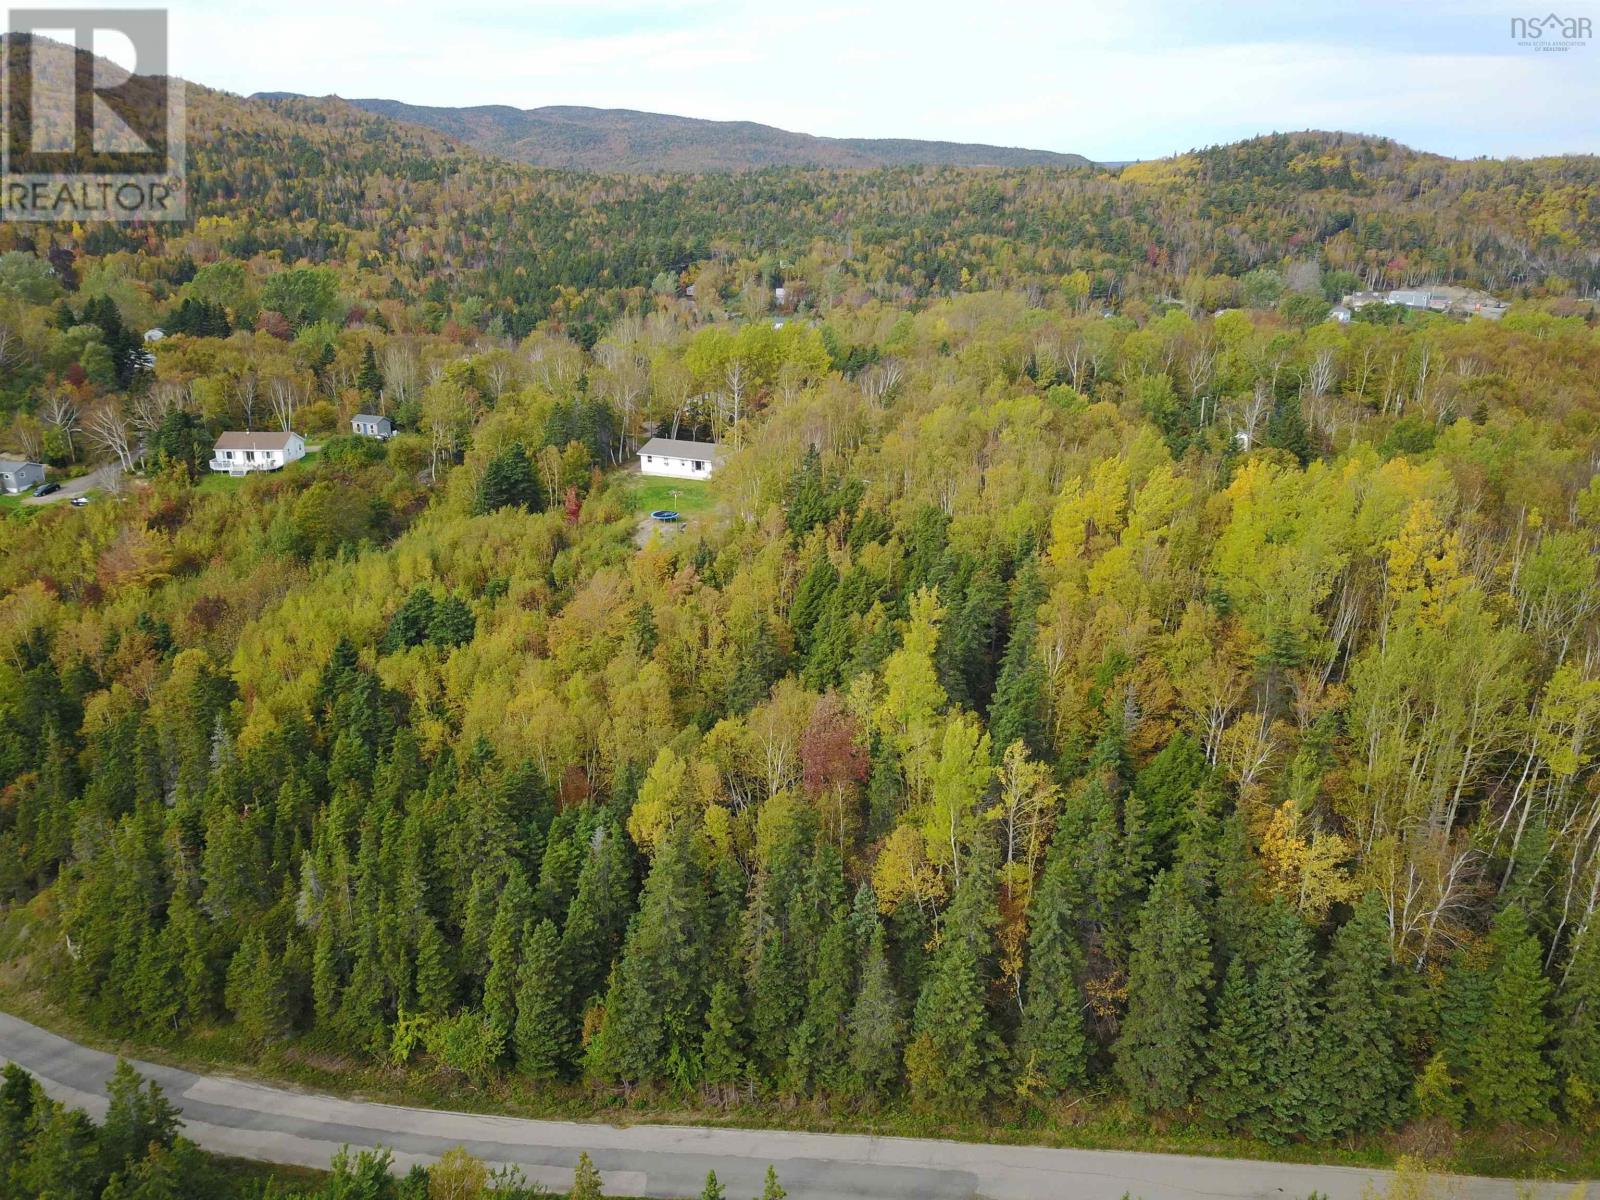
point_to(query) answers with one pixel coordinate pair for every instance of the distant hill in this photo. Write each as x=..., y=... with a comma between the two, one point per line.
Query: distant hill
x=620, y=139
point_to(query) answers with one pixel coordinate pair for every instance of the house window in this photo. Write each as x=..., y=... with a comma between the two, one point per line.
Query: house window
x=698, y=465
x=649, y=458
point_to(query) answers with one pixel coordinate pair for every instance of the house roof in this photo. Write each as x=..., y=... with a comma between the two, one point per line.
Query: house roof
x=16, y=464
x=369, y=417
x=254, y=441
x=672, y=448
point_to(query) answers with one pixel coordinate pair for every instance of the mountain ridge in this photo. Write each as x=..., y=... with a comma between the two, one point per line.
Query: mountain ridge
x=579, y=137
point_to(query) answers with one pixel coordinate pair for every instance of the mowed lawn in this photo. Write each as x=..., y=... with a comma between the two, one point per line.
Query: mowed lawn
x=688, y=496
x=221, y=481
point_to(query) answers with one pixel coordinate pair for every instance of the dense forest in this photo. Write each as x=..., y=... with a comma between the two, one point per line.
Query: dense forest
x=1071, y=690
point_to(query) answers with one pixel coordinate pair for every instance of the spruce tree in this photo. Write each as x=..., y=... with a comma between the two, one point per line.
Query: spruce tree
x=1288, y=1007
x=500, y=983
x=1508, y=1077
x=138, y=1116
x=542, y=1037
x=1052, y=1044
x=819, y=1053
x=508, y=481
x=954, y=1055
x=598, y=913
x=655, y=1011
x=877, y=1021
x=1578, y=1038
x=256, y=992
x=1159, y=1052
x=370, y=379
x=435, y=980
x=721, y=1055
x=1231, y=1091
x=1360, y=1080
x=1018, y=706
x=713, y=1190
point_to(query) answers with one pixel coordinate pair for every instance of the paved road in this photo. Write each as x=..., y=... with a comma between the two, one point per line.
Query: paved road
x=249, y=1120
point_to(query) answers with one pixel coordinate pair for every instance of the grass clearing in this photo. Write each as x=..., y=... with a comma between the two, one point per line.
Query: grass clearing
x=217, y=482
x=691, y=497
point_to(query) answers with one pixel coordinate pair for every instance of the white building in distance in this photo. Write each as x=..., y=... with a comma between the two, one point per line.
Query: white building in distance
x=372, y=425
x=679, y=460
x=241, y=453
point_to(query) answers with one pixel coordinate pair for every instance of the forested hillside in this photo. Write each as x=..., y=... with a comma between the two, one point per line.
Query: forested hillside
x=575, y=138
x=1071, y=694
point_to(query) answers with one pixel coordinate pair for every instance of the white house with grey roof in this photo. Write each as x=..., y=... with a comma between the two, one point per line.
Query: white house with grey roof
x=241, y=453
x=679, y=460
x=372, y=425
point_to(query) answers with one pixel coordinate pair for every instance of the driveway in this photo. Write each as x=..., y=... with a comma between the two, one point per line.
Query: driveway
x=101, y=477
x=250, y=1120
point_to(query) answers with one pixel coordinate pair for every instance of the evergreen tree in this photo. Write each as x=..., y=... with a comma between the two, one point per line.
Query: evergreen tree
x=713, y=1190
x=1288, y=1009
x=257, y=996
x=1052, y=1043
x=451, y=623
x=1360, y=1077
x=954, y=1055
x=1017, y=709
x=721, y=1057
x=542, y=1039
x=138, y=1116
x=655, y=1011
x=877, y=1020
x=771, y=1189
x=500, y=983
x=411, y=622
x=1578, y=1039
x=820, y=1049
x=811, y=598
x=370, y=379
x=1231, y=1092
x=508, y=481
x=435, y=980
x=1158, y=1055
x=1508, y=1077
x=598, y=915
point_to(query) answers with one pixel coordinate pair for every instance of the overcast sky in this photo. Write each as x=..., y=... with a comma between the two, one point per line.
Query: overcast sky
x=1111, y=81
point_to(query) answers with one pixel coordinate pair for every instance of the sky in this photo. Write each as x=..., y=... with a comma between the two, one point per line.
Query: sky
x=1108, y=80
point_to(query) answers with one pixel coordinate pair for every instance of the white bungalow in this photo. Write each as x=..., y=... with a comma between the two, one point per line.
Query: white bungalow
x=17, y=475
x=371, y=425
x=241, y=453
x=679, y=460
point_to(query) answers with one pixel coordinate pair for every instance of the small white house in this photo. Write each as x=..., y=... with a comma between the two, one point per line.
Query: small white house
x=154, y=335
x=17, y=475
x=1340, y=314
x=679, y=460
x=373, y=426
x=241, y=453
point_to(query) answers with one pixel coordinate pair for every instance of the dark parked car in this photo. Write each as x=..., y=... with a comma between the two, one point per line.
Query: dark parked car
x=44, y=489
